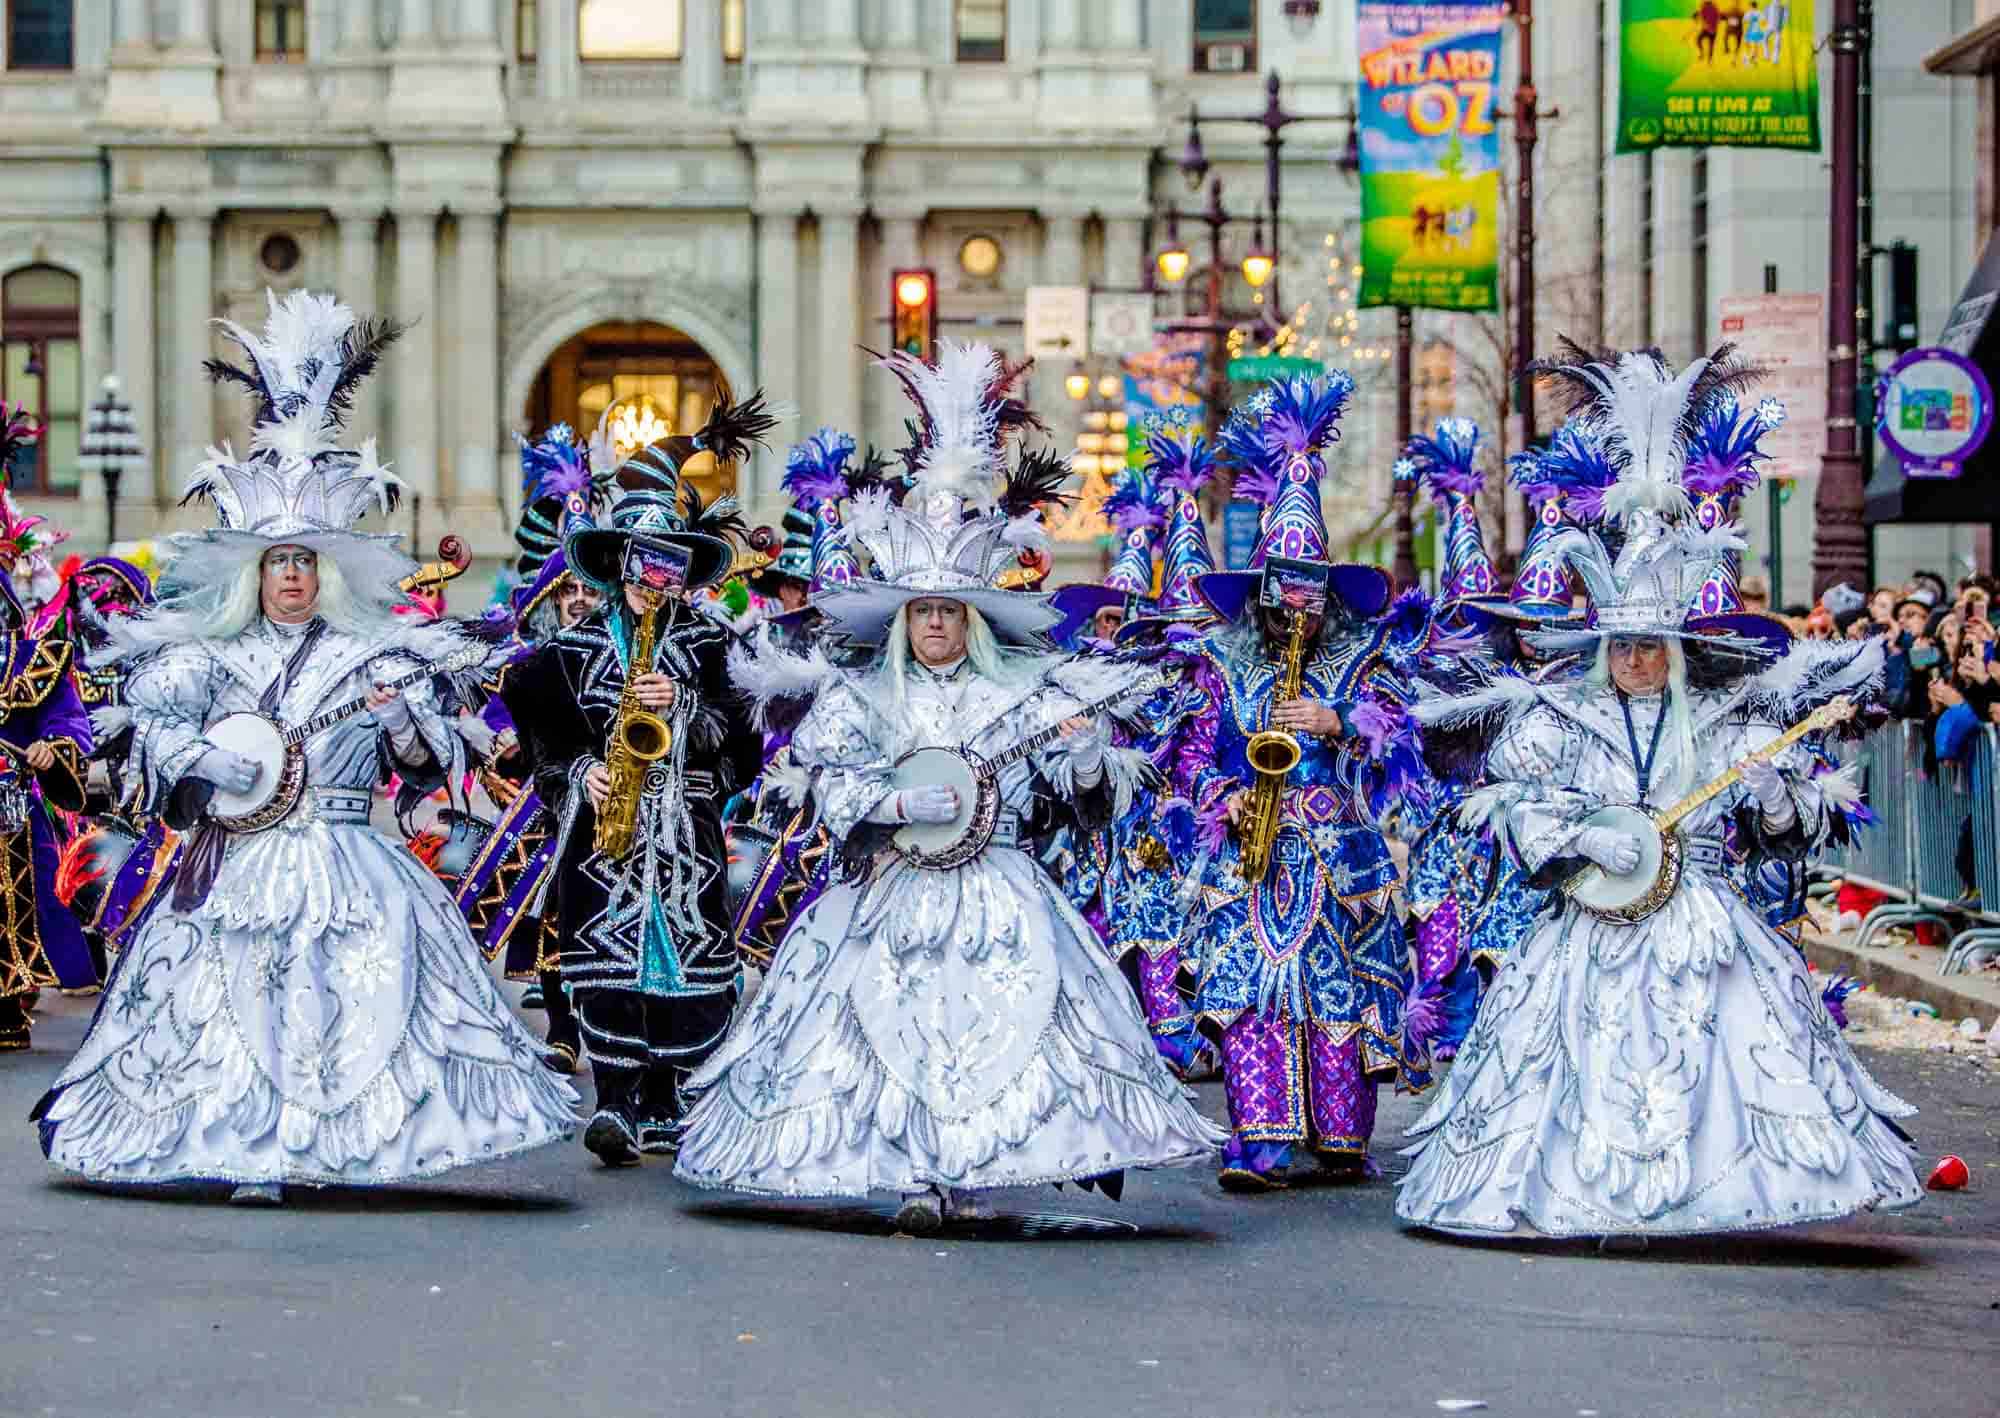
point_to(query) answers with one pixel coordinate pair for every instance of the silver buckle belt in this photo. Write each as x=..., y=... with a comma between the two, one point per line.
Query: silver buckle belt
x=343, y=804
x=1006, y=830
x=1703, y=854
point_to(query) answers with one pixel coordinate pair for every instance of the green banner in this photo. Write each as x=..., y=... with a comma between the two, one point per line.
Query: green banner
x=1255, y=368
x=1717, y=73
x=1430, y=153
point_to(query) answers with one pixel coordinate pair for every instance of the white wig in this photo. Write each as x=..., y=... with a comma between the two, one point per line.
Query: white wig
x=1680, y=715
x=989, y=658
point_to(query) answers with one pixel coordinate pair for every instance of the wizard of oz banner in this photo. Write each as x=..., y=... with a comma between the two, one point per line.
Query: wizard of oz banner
x=1430, y=153
x=1717, y=73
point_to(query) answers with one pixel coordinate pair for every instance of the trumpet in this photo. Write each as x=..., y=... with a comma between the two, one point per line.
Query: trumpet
x=638, y=738
x=1273, y=754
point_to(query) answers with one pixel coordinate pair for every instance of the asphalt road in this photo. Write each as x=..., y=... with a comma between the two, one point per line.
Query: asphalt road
x=546, y=1286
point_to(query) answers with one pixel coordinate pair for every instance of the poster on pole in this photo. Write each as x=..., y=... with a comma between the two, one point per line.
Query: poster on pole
x=1717, y=73
x=1785, y=335
x=1430, y=153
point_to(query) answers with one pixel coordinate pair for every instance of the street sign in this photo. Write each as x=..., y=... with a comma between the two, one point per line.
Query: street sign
x=1241, y=523
x=1936, y=409
x=1121, y=323
x=1786, y=336
x=1252, y=369
x=1057, y=321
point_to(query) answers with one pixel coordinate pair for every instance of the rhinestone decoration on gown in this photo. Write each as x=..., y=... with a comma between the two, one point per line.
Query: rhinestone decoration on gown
x=1680, y=1075
x=962, y=1028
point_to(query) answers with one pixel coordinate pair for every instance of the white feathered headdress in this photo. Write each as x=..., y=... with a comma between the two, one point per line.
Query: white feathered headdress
x=297, y=484
x=964, y=520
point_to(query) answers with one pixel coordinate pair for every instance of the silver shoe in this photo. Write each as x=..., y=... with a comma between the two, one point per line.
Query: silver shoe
x=258, y=1194
x=921, y=1213
x=961, y=1205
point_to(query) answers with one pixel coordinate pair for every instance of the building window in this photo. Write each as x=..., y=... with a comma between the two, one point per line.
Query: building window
x=281, y=31
x=628, y=29
x=733, y=27
x=40, y=34
x=527, y=30
x=981, y=26
x=1225, y=36
x=41, y=368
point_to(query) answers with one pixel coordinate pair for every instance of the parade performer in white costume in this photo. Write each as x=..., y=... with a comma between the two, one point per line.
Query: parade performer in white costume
x=926, y=1029
x=1677, y=1073
x=309, y=1006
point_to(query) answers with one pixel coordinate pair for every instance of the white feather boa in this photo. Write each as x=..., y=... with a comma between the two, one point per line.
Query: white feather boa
x=772, y=674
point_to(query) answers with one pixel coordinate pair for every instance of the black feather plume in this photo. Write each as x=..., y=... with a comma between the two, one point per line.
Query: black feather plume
x=732, y=429
x=1728, y=375
x=1567, y=370
x=360, y=353
x=1035, y=481
x=720, y=518
x=221, y=371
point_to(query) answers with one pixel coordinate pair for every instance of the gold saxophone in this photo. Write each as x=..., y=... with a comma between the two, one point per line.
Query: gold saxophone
x=1273, y=753
x=639, y=737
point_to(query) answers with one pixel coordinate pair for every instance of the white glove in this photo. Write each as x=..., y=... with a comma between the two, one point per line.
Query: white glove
x=931, y=803
x=393, y=716
x=1617, y=852
x=1767, y=785
x=227, y=769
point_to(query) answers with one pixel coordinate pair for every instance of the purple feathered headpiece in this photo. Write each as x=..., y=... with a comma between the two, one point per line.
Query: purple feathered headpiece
x=1180, y=464
x=555, y=465
x=1530, y=478
x=1722, y=452
x=1130, y=504
x=1448, y=461
x=1303, y=412
x=1576, y=463
x=816, y=469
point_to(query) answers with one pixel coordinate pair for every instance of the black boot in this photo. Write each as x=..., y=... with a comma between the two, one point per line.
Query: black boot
x=659, y=1112
x=14, y=1026
x=563, y=1048
x=613, y=1136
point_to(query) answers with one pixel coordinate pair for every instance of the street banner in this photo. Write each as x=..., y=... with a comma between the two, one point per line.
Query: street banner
x=1430, y=153
x=1163, y=391
x=1717, y=73
x=1784, y=335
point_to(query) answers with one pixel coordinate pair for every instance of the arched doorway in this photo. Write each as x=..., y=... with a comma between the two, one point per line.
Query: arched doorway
x=647, y=379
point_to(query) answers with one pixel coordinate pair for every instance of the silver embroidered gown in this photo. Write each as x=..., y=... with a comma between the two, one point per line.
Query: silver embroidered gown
x=961, y=1028
x=1678, y=1075
x=323, y=1016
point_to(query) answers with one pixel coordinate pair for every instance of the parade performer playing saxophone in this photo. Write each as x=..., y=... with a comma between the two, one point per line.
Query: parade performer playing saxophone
x=634, y=743
x=1300, y=743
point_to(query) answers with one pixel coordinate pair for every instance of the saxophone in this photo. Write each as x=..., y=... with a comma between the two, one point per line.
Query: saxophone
x=1273, y=753
x=638, y=738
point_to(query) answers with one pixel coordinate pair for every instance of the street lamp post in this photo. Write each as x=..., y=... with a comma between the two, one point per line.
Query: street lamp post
x=1840, y=542
x=1525, y=134
x=1260, y=263
x=110, y=441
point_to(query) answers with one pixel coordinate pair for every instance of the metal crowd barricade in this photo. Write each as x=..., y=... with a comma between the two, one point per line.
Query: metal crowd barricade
x=1886, y=855
x=1982, y=937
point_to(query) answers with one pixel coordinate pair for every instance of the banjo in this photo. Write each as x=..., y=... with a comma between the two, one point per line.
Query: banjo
x=941, y=846
x=1627, y=898
x=279, y=750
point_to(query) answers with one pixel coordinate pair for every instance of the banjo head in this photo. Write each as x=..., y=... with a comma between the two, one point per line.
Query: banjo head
x=937, y=767
x=1632, y=896
x=259, y=740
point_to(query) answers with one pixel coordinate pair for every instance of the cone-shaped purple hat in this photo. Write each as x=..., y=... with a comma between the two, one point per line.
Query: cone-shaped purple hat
x=1447, y=466
x=817, y=477
x=1721, y=467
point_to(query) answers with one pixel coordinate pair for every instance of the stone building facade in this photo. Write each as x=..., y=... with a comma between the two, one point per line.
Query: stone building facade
x=570, y=198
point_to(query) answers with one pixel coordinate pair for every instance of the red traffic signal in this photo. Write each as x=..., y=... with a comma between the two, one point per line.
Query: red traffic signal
x=913, y=311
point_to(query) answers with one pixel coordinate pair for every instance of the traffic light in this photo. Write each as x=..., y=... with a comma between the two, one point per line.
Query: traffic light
x=1901, y=336
x=913, y=311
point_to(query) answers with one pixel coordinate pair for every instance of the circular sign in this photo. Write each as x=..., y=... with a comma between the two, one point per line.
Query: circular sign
x=1934, y=411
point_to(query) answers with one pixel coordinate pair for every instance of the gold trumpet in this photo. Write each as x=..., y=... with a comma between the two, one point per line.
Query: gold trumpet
x=640, y=737
x=1273, y=753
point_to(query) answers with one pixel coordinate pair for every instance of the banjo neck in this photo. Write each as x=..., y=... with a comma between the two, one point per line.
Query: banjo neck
x=297, y=734
x=1825, y=716
x=991, y=767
